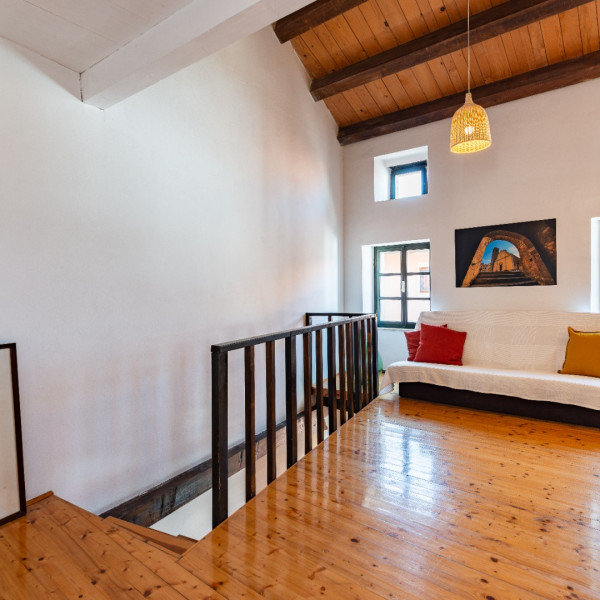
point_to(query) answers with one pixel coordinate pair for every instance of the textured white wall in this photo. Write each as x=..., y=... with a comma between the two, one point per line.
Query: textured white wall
x=204, y=209
x=542, y=165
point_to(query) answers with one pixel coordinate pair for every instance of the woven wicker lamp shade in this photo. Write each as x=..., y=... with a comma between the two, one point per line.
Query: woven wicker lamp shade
x=470, y=129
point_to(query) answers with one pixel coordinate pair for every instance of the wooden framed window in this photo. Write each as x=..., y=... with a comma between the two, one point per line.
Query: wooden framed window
x=402, y=283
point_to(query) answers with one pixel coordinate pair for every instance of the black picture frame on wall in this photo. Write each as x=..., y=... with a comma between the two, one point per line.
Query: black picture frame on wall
x=12, y=474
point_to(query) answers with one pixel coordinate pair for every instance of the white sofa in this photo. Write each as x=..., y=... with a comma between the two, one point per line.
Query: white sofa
x=508, y=356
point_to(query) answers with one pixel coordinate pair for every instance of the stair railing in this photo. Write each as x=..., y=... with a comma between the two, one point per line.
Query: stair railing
x=351, y=346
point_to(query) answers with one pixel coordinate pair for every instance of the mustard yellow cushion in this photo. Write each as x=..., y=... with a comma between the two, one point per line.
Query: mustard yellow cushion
x=583, y=354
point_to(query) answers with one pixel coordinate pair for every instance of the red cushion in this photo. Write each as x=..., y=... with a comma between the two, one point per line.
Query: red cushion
x=440, y=345
x=413, y=339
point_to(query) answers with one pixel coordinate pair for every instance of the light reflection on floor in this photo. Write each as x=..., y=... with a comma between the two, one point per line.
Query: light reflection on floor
x=194, y=519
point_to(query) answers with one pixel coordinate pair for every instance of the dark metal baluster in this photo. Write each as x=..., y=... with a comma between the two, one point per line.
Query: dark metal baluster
x=271, y=425
x=365, y=366
x=291, y=404
x=369, y=335
x=220, y=444
x=331, y=377
x=356, y=368
x=250, y=422
x=374, y=350
x=342, y=370
x=350, y=368
x=319, y=367
x=307, y=352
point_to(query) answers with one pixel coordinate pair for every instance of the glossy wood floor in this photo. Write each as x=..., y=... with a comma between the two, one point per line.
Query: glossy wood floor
x=408, y=500
x=413, y=500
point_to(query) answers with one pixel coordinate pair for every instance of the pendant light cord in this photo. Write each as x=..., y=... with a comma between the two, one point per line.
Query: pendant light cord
x=468, y=46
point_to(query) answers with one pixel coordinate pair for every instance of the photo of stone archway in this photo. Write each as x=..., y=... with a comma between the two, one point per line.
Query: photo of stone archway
x=513, y=254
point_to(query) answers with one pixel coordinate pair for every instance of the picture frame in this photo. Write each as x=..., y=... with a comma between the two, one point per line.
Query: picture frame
x=511, y=254
x=12, y=475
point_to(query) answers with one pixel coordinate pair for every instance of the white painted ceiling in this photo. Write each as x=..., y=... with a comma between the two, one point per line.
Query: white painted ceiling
x=80, y=33
x=122, y=46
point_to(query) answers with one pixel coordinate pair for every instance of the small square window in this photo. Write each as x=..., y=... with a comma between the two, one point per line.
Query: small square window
x=407, y=181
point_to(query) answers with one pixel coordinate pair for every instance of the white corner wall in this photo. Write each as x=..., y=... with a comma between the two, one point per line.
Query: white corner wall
x=204, y=209
x=543, y=164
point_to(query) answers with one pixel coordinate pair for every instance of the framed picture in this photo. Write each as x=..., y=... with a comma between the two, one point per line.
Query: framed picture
x=12, y=476
x=511, y=254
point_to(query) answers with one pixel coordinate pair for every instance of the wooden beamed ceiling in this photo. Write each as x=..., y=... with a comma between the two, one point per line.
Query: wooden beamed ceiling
x=387, y=65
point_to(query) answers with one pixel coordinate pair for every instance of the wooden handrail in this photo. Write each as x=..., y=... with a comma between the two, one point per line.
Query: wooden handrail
x=351, y=351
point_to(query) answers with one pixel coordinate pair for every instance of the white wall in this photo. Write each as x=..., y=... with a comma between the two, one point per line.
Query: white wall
x=543, y=164
x=204, y=209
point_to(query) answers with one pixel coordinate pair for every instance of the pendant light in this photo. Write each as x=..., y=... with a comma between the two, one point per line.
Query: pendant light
x=470, y=129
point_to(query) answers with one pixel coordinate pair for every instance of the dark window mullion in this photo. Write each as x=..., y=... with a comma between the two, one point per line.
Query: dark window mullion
x=403, y=286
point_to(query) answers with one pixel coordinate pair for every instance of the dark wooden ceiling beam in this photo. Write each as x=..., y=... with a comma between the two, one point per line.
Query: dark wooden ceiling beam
x=310, y=16
x=484, y=25
x=541, y=80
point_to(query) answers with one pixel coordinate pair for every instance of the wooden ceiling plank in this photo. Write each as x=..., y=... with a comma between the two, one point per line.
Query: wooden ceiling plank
x=347, y=41
x=311, y=16
x=571, y=33
x=454, y=73
x=501, y=66
x=453, y=11
x=442, y=76
x=382, y=96
x=598, y=12
x=537, y=43
x=397, y=90
x=555, y=49
x=441, y=15
x=479, y=56
x=311, y=39
x=416, y=20
x=477, y=6
x=430, y=17
x=341, y=110
x=548, y=78
x=460, y=60
x=330, y=44
x=367, y=100
x=524, y=48
x=310, y=62
x=394, y=17
x=588, y=19
x=427, y=81
x=378, y=25
x=484, y=26
x=517, y=59
x=412, y=86
x=362, y=102
x=363, y=32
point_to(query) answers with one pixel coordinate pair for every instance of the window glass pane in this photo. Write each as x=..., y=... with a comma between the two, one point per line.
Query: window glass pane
x=408, y=184
x=417, y=260
x=390, y=310
x=418, y=286
x=390, y=286
x=389, y=262
x=415, y=308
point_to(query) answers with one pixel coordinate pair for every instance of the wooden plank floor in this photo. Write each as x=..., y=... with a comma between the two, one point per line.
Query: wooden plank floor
x=414, y=500
x=408, y=500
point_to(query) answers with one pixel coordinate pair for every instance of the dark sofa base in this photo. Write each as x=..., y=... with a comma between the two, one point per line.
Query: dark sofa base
x=550, y=411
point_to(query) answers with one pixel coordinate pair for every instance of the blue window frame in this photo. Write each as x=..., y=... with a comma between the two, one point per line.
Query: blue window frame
x=408, y=180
